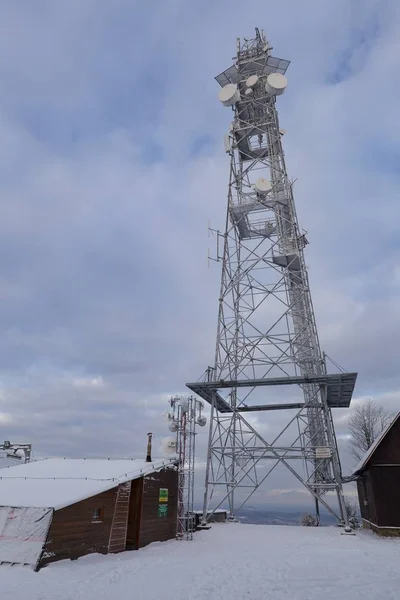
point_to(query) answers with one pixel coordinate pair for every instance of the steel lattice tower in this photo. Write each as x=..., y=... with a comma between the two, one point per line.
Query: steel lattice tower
x=267, y=334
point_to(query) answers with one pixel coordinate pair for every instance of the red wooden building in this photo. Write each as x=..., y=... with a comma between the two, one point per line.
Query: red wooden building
x=65, y=508
x=378, y=482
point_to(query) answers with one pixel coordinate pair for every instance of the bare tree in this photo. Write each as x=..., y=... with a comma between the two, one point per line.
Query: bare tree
x=366, y=422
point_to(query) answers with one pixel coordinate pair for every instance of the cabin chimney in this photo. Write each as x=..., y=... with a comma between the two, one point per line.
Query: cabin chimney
x=148, y=456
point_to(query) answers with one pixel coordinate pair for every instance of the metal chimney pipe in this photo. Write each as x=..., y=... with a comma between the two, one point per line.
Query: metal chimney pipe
x=148, y=456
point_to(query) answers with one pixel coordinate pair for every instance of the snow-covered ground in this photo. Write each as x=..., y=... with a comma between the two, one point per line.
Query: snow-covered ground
x=229, y=562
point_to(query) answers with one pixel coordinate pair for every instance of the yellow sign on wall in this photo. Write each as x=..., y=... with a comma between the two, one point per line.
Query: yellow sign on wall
x=163, y=496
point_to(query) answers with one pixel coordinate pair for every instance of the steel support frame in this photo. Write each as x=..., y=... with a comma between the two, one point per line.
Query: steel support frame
x=266, y=322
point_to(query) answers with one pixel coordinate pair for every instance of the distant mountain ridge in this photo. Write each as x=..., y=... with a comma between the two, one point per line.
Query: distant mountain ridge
x=276, y=515
x=260, y=516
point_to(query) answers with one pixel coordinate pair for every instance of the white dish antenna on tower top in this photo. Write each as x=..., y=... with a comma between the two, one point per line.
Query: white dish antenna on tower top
x=252, y=81
x=262, y=186
x=168, y=445
x=276, y=84
x=173, y=426
x=229, y=94
x=269, y=229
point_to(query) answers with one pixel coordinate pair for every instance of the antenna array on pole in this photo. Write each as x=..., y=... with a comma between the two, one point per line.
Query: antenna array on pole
x=185, y=414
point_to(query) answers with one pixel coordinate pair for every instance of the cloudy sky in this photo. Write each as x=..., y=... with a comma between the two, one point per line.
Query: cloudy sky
x=111, y=168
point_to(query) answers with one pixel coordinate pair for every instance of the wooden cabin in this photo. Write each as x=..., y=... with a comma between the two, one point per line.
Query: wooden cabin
x=378, y=482
x=56, y=508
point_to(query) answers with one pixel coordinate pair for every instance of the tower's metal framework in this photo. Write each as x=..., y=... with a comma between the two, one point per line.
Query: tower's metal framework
x=266, y=334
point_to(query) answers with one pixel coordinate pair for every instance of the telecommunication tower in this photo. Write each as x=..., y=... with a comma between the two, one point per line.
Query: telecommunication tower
x=266, y=336
x=183, y=417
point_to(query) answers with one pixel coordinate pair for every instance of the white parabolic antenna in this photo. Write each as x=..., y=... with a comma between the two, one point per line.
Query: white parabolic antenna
x=229, y=94
x=168, y=445
x=251, y=81
x=263, y=186
x=276, y=84
x=173, y=426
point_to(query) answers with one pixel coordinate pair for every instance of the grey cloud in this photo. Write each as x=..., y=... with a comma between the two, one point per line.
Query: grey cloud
x=104, y=244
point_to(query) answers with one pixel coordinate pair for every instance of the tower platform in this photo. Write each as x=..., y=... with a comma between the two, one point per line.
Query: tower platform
x=339, y=387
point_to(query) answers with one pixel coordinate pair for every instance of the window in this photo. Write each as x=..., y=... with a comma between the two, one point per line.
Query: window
x=97, y=515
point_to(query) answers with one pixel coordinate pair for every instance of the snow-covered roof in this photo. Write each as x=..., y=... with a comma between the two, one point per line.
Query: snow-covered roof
x=59, y=482
x=374, y=446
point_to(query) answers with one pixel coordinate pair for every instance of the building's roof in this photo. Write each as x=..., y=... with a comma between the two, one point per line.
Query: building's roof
x=59, y=482
x=371, y=449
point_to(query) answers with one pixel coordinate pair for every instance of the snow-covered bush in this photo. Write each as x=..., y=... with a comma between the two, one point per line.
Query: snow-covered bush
x=308, y=520
x=352, y=515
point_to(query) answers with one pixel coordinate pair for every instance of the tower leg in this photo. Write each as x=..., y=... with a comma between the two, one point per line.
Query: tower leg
x=337, y=472
x=207, y=486
x=317, y=516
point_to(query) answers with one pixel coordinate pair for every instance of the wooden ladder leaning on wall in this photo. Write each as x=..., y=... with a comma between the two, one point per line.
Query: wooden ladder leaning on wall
x=119, y=525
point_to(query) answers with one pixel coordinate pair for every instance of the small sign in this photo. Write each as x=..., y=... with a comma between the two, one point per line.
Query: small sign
x=323, y=452
x=162, y=510
x=163, y=495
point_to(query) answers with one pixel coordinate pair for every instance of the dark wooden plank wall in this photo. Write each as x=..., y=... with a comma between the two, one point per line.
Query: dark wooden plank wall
x=135, y=514
x=366, y=497
x=379, y=484
x=120, y=520
x=152, y=527
x=73, y=534
x=388, y=451
x=386, y=485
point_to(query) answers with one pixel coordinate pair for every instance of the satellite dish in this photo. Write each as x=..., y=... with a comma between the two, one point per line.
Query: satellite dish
x=229, y=94
x=276, y=84
x=173, y=426
x=201, y=421
x=269, y=229
x=241, y=461
x=168, y=445
x=282, y=131
x=251, y=81
x=262, y=186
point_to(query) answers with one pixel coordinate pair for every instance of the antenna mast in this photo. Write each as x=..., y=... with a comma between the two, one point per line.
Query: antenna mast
x=266, y=336
x=185, y=414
